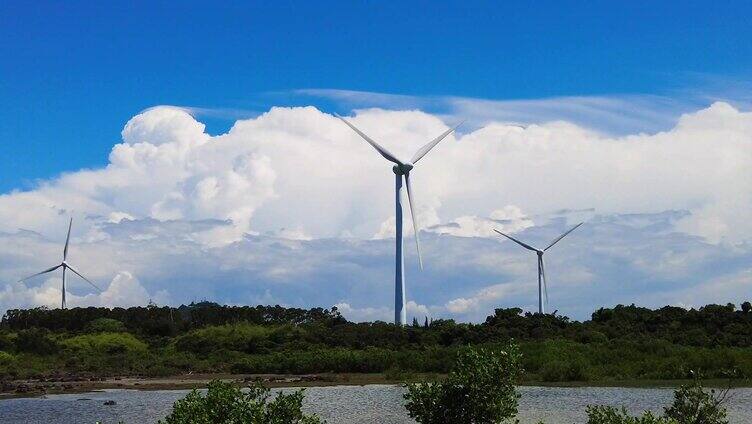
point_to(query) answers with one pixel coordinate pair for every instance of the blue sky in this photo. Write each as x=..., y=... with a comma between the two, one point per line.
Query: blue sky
x=195, y=147
x=74, y=72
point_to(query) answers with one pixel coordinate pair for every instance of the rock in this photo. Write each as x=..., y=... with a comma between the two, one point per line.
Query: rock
x=23, y=388
x=110, y=402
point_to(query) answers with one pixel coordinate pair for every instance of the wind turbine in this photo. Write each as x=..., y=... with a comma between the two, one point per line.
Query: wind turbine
x=65, y=265
x=402, y=169
x=541, y=267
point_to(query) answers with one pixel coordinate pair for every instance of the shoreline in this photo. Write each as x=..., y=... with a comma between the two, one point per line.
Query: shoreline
x=41, y=387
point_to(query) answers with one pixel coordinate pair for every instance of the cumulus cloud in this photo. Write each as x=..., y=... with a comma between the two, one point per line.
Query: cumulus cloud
x=384, y=313
x=292, y=207
x=509, y=219
x=124, y=290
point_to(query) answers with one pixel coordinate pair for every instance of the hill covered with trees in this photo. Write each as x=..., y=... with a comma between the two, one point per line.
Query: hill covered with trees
x=616, y=344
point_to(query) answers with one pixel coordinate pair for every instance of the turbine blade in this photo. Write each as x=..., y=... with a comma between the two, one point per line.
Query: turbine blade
x=562, y=236
x=415, y=219
x=85, y=279
x=425, y=149
x=526, y=246
x=40, y=273
x=67, y=239
x=545, y=284
x=384, y=152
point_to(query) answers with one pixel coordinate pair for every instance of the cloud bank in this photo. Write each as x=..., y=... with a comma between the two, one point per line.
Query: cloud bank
x=291, y=207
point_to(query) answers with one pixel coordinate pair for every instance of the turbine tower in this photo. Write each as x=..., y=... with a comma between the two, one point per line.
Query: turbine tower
x=402, y=169
x=65, y=265
x=541, y=268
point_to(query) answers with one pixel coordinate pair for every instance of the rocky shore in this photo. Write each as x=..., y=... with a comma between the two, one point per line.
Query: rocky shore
x=79, y=384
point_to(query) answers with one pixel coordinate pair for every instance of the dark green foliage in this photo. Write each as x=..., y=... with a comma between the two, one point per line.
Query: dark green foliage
x=227, y=404
x=621, y=343
x=610, y=415
x=479, y=390
x=163, y=321
x=692, y=405
x=695, y=405
x=36, y=340
x=105, y=325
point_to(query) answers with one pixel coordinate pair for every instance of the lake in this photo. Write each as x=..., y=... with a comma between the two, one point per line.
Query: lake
x=348, y=404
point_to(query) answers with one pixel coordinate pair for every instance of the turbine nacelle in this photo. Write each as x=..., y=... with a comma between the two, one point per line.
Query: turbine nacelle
x=403, y=169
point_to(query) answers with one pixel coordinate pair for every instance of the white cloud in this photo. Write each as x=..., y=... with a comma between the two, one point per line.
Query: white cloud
x=384, y=313
x=124, y=290
x=257, y=213
x=304, y=170
x=509, y=219
x=624, y=114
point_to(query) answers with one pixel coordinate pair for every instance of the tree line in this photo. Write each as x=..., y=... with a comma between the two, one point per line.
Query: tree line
x=616, y=344
x=707, y=326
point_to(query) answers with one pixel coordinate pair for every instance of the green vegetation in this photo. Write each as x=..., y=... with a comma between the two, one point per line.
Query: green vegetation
x=692, y=405
x=625, y=343
x=479, y=389
x=611, y=415
x=227, y=404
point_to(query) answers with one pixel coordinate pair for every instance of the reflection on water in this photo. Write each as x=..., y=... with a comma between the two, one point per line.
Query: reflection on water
x=348, y=404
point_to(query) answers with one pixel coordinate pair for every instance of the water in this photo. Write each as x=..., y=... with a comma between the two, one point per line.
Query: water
x=348, y=404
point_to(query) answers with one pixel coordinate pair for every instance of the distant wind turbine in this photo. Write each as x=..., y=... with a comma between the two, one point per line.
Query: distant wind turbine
x=542, y=286
x=65, y=265
x=401, y=169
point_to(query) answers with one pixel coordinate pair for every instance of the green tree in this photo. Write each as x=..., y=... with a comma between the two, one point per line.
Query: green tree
x=227, y=404
x=479, y=390
x=36, y=340
x=695, y=405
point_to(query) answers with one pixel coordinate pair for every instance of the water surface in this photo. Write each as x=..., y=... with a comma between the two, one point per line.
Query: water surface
x=348, y=404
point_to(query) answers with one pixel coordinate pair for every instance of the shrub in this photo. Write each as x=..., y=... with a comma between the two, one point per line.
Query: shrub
x=242, y=337
x=37, y=341
x=692, y=404
x=105, y=325
x=227, y=404
x=106, y=344
x=480, y=389
x=6, y=358
x=610, y=415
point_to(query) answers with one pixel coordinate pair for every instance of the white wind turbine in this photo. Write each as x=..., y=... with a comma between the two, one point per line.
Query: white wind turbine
x=65, y=265
x=541, y=268
x=401, y=169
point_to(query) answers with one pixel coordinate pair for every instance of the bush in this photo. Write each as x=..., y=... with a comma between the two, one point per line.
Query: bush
x=227, y=404
x=105, y=325
x=480, y=389
x=106, y=344
x=611, y=415
x=37, y=341
x=692, y=404
x=241, y=337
